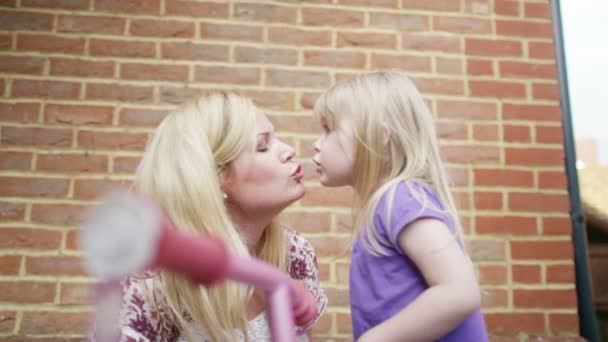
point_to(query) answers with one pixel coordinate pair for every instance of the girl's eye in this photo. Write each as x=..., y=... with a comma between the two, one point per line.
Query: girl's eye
x=326, y=128
x=262, y=148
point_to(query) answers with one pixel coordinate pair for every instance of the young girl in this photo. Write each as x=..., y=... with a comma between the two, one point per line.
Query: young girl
x=410, y=278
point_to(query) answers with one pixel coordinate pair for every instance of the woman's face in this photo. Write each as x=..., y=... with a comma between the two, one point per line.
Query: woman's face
x=264, y=180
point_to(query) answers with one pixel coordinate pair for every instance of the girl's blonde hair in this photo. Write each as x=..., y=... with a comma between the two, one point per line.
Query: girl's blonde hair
x=182, y=169
x=395, y=142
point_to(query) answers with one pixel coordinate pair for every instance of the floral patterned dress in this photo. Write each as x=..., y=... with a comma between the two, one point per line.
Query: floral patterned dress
x=140, y=321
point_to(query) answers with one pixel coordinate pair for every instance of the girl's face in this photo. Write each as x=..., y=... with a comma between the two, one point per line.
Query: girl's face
x=264, y=180
x=335, y=150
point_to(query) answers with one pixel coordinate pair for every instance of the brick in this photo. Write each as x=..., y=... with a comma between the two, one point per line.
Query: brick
x=23, y=292
x=450, y=66
x=440, y=86
x=45, y=89
x=429, y=42
x=112, y=140
x=243, y=54
x=52, y=322
x=7, y=319
x=50, y=43
x=462, y=25
x=19, y=112
x=494, y=298
x=401, y=22
x=432, y=5
x=90, y=189
x=545, y=91
x=527, y=70
x=309, y=222
x=322, y=326
x=531, y=112
x=179, y=95
x=220, y=74
x=369, y=3
x=541, y=50
x=481, y=7
x=544, y=298
x=15, y=161
x=141, y=117
x=517, y=133
x=77, y=293
x=515, y=323
x=549, y=135
x=295, y=123
x=121, y=93
x=271, y=99
x=57, y=214
x=234, y=32
x=6, y=41
x=534, y=156
x=78, y=115
x=26, y=238
x=192, y=51
x=493, y=274
x=57, y=4
x=552, y=180
x=121, y=48
x=332, y=17
x=154, y=72
x=488, y=200
x=466, y=110
x=22, y=20
x=507, y=7
x=523, y=28
x=526, y=274
x=452, y=130
x=557, y=226
x=54, y=265
x=564, y=274
x=537, y=10
x=21, y=65
x=486, y=250
x=503, y=178
x=292, y=78
x=197, y=9
x=298, y=37
x=498, y=89
x=326, y=197
x=308, y=100
x=459, y=176
x=493, y=47
x=91, y=24
x=161, y=28
x=482, y=132
x=479, y=67
x=506, y=225
x=36, y=136
x=541, y=250
x=470, y=154
x=128, y=6
x=81, y=68
x=364, y=39
x=538, y=202
x=33, y=187
x=563, y=322
x=335, y=59
x=80, y=163
x=343, y=323
x=266, y=13
x=125, y=164
x=402, y=62
x=12, y=211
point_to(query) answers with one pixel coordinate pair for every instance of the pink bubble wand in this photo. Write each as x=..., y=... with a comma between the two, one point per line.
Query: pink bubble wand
x=128, y=234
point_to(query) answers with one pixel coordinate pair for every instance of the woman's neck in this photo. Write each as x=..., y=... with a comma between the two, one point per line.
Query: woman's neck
x=251, y=228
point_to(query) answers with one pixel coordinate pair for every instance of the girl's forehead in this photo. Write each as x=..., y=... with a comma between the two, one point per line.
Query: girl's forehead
x=263, y=125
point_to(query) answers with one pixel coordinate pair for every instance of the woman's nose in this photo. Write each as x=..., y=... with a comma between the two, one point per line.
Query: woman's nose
x=288, y=152
x=317, y=145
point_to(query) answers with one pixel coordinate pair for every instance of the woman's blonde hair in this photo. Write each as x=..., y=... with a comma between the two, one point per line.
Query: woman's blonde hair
x=395, y=142
x=182, y=168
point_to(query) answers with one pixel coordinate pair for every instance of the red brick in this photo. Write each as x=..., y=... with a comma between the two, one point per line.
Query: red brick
x=128, y=6
x=557, y=226
x=26, y=238
x=538, y=202
x=7, y=318
x=561, y=274
x=308, y=100
x=402, y=62
x=493, y=47
x=220, y=74
x=21, y=20
x=141, y=117
x=33, y=187
x=537, y=10
x=494, y=298
x=366, y=39
x=544, y=298
x=36, y=136
x=466, y=110
x=295, y=123
x=498, y=89
x=81, y=68
x=293, y=36
x=292, y=78
x=323, y=325
x=503, y=178
x=426, y=42
x=542, y=50
x=12, y=211
x=481, y=7
x=507, y=7
x=493, y=274
x=526, y=274
x=197, y=9
x=271, y=99
x=483, y=132
x=8, y=3
x=527, y=70
x=57, y=4
x=309, y=222
x=366, y=3
x=486, y=250
x=112, y=140
x=531, y=112
x=326, y=246
x=52, y=322
x=447, y=65
x=541, y=250
x=54, y=265
x=335, y=59
x=480, y=67
x=6, y=41
x=121, y=48
x=63, y=163
x=515, y=323
x=470, y=154
x=549, y=135
x=19, y=112
x=90, y=189
x=121, y=93
x=50, y=43
x=343, y=324
x=462, y=25
x=235, y=32
x=45, y=89
x=534, y=156
x=440, y=86
x=179, y=95
x=78, y=115
x=488, y=200
x=563, y=322
x=125, y=164
x=266, y=13
x=452, y=130
x=401, y=22
x=77, y=293
x=154, y=72
x=516, y=133
x=15, y=161
x=332, y=17
x=21, y=65
x=192, y=51
x=326, y=197
x=27, y=292
x=433, y=5
x=545, y=91
x=552, y=180
x=91, y=24
x=161, y=28
x=246, y=54
x=506, y=225
x=523, y=28
x=57, y=214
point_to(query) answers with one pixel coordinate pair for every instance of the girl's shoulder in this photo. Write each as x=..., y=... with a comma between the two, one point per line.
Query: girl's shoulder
x=409, y=194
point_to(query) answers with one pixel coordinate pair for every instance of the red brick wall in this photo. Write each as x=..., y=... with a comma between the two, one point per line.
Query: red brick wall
x=83, y=82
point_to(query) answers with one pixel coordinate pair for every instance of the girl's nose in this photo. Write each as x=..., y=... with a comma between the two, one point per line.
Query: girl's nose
x=317, y=145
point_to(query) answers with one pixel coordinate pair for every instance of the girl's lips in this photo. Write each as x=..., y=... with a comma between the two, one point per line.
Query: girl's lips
x=298, y=173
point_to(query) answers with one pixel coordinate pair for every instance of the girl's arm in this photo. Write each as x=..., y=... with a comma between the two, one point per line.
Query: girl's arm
x=453, y=293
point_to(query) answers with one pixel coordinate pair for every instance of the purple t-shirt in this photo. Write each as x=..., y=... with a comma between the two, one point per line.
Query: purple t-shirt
x=381, y=286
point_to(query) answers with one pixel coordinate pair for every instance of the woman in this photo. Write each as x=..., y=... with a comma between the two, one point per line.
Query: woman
x=215, y=166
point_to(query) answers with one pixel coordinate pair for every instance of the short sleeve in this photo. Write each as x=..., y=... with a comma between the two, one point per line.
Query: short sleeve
x=302, y=265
